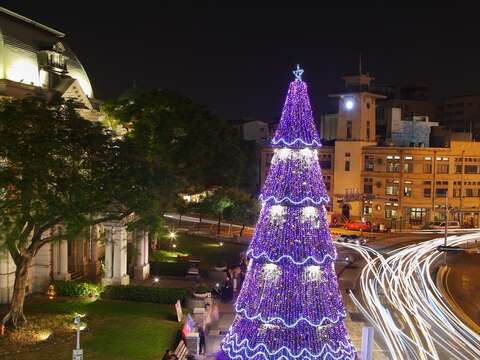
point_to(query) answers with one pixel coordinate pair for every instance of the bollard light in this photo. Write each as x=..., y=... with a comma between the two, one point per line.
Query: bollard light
x=78, y=352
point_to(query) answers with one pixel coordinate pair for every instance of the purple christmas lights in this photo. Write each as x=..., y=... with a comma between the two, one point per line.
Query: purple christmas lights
x=289, y=306
x=296, y=129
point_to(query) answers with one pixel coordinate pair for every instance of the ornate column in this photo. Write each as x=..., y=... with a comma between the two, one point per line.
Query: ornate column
x=60, y=260
x=116, y=255
x=142, y=266
x=93, y=263
x=108, y=274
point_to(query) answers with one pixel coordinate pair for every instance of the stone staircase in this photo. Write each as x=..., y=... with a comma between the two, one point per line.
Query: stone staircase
x=76, y=276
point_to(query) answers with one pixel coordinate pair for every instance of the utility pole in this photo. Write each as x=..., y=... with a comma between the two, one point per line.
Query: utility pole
x=446, y=225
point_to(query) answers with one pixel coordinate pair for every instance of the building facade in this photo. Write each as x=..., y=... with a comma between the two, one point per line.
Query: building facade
x=402, y=185
x=35, y=60
x=461, y=113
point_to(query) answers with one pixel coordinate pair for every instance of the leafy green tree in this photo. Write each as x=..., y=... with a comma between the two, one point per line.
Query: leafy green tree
x=172, y=145
x=217, y=203
x=54, y=179
x=243, y=210
x=231, y=204
x=201, y=209
x=186, y=146
x=181, y=208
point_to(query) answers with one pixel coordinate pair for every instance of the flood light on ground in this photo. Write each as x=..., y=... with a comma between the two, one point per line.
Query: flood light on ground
x=43, y=335
x=220, y=243
x=156, y=279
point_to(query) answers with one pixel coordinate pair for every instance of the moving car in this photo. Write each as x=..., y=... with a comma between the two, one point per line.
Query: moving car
x=352, y=239
x=441, y=225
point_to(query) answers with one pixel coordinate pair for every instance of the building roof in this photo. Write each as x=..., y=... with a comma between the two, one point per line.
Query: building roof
x=32, y=22
x=20, y=41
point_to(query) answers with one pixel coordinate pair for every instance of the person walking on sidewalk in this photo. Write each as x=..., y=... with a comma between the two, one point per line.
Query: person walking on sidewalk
x=201, y=335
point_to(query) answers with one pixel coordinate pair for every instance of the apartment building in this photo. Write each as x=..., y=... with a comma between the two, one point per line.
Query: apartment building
x=402, y=185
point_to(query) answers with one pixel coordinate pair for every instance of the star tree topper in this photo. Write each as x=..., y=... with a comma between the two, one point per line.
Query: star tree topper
x=298, y=73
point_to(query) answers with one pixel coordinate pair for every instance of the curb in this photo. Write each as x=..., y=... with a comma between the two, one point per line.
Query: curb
x=442, y=285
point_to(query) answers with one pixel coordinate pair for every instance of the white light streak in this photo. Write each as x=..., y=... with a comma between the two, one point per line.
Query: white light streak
x=401, y=299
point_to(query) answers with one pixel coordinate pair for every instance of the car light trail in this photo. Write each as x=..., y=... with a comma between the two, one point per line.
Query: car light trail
x=401, y=299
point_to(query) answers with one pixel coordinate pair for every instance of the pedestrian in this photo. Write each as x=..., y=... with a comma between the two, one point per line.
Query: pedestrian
x=166, y=355
x=169, y=355
x=215, y=313
x=207, y=317
x=201, y=335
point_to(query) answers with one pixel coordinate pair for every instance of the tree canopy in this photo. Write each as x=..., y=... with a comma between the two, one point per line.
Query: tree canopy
x=172, y=146
x=60, y=172
x=55, y=170
x=187, y=145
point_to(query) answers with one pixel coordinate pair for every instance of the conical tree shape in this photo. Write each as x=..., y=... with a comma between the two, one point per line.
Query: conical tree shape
x=290, y=306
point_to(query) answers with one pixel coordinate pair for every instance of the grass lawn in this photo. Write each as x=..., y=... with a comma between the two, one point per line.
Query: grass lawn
x=209, y=251
x=116, y=330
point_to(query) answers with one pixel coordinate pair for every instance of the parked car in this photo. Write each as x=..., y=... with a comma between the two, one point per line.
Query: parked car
x=352, y=239
x=441, y=225
x=358, y=225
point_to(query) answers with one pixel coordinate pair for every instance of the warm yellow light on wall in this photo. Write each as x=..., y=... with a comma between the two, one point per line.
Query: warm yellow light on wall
x=23, y=70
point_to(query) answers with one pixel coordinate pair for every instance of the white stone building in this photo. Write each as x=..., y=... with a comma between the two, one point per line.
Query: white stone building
x=35, y=60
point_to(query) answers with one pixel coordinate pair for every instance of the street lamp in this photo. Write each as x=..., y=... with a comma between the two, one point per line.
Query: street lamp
x=77, y=352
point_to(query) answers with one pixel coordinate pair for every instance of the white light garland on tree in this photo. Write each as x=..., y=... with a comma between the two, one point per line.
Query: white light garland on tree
x=282, y=154
x=305, y=156
x=313, y=273
x=277, y=214
x=264, y=327
x=271, y=272
x=322, y=331
x=310, y=214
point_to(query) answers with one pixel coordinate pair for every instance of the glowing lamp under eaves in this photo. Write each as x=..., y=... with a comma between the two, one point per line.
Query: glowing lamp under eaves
x=349, y=104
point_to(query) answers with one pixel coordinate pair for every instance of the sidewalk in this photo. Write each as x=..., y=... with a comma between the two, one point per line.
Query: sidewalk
x=227, y=314
x=218, y=329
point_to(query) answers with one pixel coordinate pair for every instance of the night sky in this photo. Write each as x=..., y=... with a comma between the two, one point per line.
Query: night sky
x=238, y=59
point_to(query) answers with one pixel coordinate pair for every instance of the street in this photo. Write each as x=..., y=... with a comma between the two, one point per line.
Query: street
x=399, y=296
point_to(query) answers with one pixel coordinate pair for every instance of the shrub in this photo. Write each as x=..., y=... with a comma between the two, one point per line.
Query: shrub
x=144, y=294
x=77, y=289
x=168, y=268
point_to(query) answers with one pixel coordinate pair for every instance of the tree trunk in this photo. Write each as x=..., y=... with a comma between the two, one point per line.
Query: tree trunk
x=15, y=316
x=179, y=219
x=218, y=225
x=241, y=230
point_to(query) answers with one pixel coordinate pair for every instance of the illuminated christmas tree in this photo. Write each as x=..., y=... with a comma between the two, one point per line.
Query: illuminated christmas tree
x=290, y=306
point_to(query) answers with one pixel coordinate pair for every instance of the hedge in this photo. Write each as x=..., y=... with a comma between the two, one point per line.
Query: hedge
x=168, y=268
x=144, y=294
x=77, y=289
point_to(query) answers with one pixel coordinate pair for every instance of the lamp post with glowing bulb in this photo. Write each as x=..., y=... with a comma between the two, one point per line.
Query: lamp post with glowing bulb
x=172, y=235
x=77, y=352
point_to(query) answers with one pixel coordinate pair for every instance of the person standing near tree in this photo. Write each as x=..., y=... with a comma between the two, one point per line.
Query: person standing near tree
x=201, y=336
